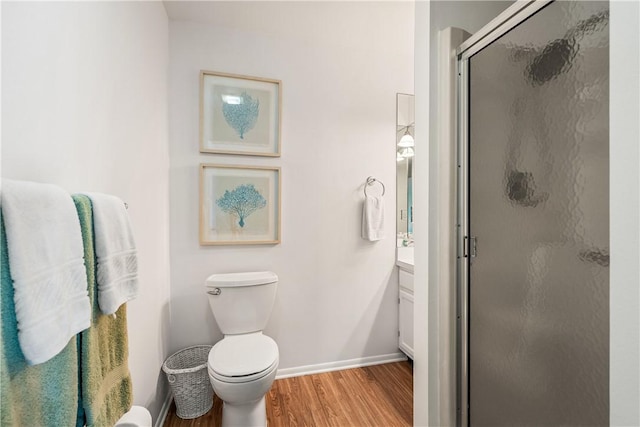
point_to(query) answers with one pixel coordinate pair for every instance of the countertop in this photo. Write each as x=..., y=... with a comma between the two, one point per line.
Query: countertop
x=404, y=258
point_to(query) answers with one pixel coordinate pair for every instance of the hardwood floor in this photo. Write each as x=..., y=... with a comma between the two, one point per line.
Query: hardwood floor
x=380, y=395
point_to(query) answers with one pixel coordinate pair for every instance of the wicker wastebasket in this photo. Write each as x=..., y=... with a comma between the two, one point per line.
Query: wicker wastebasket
x=189, y=379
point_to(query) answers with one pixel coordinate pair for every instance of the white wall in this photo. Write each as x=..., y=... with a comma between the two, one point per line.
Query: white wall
x=429, y=369
x=421, y=404
x=624, y=291
x=84, y=106
x=341, y=65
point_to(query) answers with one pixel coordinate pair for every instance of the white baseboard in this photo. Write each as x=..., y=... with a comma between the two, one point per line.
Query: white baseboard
x=162, y=416
x=340, y=365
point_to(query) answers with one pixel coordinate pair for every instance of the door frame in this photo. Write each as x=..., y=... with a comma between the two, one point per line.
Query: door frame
x=511, y=17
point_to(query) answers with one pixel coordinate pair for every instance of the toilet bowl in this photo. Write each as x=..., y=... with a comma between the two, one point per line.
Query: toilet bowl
x=243, y=365
x=242, y=369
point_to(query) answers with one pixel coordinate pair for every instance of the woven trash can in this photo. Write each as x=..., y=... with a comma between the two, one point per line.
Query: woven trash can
x=189, y=379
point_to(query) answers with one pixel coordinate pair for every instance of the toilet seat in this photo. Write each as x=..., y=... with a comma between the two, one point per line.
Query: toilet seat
x=243, y=358
x=244, y=378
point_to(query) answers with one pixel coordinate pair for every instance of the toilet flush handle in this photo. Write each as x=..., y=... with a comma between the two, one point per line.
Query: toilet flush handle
x=215, y=291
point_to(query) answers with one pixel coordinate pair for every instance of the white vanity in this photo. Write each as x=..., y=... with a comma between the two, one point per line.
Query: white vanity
x=404, y=261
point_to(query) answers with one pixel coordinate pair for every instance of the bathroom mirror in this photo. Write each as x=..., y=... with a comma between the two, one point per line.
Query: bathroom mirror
x=404, y=167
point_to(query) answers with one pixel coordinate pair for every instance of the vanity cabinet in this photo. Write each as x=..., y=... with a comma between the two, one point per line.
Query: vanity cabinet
x=405, y=311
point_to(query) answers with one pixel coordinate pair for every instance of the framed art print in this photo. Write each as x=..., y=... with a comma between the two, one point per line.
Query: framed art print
x=239, y=205
x=239, y=114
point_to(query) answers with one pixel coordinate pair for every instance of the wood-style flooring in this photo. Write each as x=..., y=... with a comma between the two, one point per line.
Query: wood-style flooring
x=380, y=395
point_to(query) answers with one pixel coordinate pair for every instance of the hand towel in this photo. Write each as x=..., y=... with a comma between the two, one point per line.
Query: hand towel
x=44, y=395
x=105, y=382
x=117, y=271
x=47, y=267
x=373, y=218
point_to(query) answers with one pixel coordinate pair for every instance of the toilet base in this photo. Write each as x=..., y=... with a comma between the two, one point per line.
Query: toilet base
x=252, y=414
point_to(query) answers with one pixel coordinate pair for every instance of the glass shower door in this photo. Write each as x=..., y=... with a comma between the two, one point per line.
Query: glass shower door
x=538, y=129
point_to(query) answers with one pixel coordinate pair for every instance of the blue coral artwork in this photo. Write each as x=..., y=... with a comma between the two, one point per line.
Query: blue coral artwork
x=241, y=112
x=241, y=202
x=239, y=115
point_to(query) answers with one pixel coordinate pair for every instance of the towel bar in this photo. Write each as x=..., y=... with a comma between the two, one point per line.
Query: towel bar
x=370, y=181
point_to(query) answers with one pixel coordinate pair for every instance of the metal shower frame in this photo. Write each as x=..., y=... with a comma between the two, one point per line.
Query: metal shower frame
x=510, y=18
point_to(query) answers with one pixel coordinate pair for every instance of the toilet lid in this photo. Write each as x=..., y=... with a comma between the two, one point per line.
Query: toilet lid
x=242, y=355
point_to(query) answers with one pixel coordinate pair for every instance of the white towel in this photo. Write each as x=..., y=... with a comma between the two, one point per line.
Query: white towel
x=46, y=257
x=117, y=274
x=373, y=218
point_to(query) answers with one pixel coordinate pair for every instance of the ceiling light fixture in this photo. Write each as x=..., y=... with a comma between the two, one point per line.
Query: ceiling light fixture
x=406, y=140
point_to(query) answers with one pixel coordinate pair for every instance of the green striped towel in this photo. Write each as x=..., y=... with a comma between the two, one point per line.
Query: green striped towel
x=42, y=395
x=106, y=388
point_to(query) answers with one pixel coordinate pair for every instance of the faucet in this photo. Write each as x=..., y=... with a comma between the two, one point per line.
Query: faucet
x=407, y=240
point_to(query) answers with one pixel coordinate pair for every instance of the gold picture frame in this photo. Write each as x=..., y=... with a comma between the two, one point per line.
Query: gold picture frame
x=239, y=114
x=239, y=205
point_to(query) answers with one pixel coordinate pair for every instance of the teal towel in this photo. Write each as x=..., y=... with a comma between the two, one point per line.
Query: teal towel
x=42, y=395
x=106, y=388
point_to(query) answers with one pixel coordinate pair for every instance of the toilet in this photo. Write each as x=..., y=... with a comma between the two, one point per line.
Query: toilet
x=243, y=365
x=137, y=416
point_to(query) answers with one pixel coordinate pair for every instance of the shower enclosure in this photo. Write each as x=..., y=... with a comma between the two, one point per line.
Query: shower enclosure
x=533, y=275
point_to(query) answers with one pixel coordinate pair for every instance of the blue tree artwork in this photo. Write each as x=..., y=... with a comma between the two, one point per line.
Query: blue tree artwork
x=243, y=115
x=242, y=201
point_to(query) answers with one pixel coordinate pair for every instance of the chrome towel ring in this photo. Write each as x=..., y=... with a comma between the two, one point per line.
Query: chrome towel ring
x=370, y=181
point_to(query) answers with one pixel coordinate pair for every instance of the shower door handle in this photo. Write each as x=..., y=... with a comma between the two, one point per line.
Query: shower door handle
x=470, y=249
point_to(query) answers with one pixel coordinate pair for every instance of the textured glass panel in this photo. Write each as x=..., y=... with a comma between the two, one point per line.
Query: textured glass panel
x=539, y=207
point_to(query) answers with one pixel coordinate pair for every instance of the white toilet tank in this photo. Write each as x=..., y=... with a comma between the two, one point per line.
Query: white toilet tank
x=242, y=302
